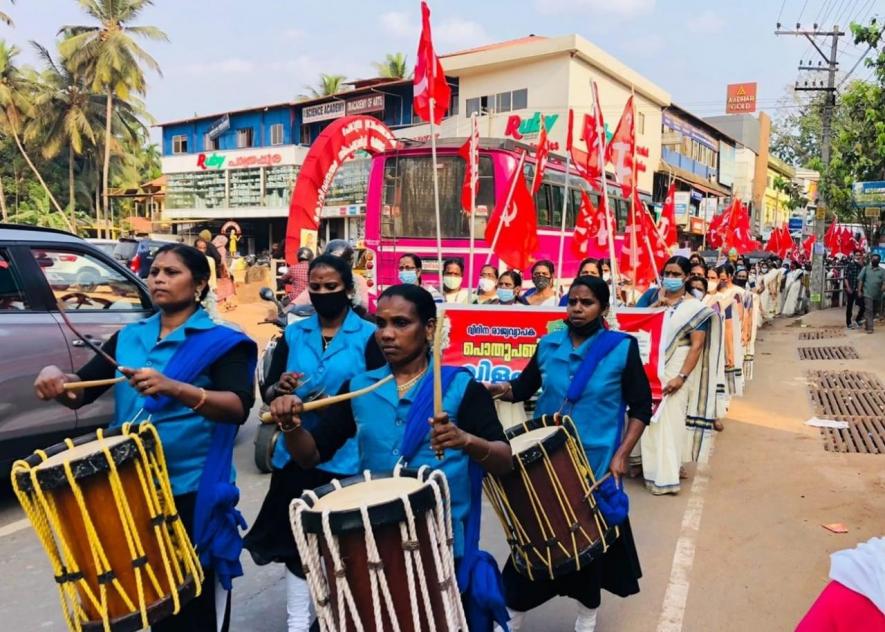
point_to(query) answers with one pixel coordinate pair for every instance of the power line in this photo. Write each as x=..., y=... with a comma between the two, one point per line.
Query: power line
x=781, y=12
x=802, y=12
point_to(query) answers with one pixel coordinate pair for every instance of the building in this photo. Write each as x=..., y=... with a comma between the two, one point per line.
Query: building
x=776, y=209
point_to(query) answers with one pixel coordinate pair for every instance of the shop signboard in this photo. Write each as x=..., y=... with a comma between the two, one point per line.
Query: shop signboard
x=696, y=225
x=518, y=127
x=495, y=343
x=869, y=194
x=795, y=224
x=219, y=127
x=740, y=98
x=682, y=202
x=322, y=112
x=364, y=104
x=708, y=208
x=675, y=124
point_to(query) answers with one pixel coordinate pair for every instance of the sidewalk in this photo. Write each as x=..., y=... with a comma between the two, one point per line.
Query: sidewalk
x=762, y=556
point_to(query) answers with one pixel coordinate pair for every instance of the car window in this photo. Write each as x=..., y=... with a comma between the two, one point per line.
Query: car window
x=12, y=295
x=83, y=282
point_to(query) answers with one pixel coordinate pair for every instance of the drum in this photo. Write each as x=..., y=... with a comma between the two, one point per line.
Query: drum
x=103, y=509
x=377, y=552
x=547, y=503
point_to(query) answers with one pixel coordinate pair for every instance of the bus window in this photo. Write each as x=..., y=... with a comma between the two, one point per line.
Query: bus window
x=408, y=206
x=622, y=210
x=542, y=205
x=556, y=196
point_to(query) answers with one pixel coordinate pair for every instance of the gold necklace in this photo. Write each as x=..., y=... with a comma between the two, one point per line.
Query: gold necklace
x=403, y=388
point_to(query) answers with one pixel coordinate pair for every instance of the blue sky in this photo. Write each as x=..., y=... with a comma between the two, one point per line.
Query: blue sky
x=230, y=54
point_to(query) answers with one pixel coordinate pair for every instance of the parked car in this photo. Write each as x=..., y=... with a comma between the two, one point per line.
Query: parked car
x=40, y=268
x=107, y=246
x=139, y=263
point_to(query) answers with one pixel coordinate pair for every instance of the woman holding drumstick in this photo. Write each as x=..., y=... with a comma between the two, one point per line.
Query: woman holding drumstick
x=193, y=379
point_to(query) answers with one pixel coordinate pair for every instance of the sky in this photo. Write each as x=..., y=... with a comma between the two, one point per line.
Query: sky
x=231, y=54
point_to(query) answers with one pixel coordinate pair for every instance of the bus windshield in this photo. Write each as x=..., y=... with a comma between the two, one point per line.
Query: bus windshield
x=407, y=205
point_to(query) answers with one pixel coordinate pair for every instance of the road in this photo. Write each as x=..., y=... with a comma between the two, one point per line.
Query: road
x=740, y=548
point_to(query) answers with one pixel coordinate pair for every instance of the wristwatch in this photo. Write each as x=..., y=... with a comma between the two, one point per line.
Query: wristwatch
x=684, y=376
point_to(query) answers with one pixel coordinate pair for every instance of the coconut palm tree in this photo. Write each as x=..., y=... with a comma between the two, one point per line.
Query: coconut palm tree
x=393, y=67
x=107, y=53
x=16, y=91
x=328, y=85
x=4, y=17
x=68, y=114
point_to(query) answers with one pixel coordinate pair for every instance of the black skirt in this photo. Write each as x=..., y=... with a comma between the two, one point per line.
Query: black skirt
x=270, y=539
x=617, y=571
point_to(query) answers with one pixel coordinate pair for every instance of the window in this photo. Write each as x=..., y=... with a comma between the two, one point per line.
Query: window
x=640, y=123
x=479, y=105
x=209, y=144
x=244, y=138
x=502, y=101
x=86, y=284
x=305, y=135
x=472, y=107
x=179, y=144
x=453, y=104
x=12, y=295
x=520, y=99
x=407, y=205
x=276, y=134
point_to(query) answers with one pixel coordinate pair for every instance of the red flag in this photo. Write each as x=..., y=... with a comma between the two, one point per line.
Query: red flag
x=847, y=244
x=620, y=150
x=571, y=125
x=718, y=225
x=470, y=153
x=808, y=246
x=786, y=243
x=430, y=80
x=593, y=135
x=737, y=233
x=590, y=223
x=831, y=238
x=667, y=222
x=517, y=237
x=542, y=151
x=772, y=244
x=645, y=254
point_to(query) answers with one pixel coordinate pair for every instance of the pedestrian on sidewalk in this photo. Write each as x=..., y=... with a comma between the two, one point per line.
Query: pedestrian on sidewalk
x=869, y=285
x=849, y=282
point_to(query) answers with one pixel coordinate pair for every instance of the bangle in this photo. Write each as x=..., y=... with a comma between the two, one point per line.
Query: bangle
x=488, y=452
x=684, y=376
x=203, y=396
x=288, y=429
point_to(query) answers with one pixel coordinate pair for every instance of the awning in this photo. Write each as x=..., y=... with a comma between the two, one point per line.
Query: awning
x=693, y=180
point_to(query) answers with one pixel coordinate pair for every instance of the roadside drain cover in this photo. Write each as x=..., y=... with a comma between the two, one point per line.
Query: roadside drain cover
x=820, y=334
x=853, y=396
x=828, y=353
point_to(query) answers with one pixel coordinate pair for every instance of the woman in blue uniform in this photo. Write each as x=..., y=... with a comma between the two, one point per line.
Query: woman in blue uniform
x=617, y=382
x=315, y=357
x=468, y=431
x=195, y=383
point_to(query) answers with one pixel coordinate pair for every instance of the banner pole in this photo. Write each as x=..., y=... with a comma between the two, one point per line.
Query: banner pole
x=504, y=213
x=474, y=151
x=436, y=195
x=610, y=224
x=565, y=198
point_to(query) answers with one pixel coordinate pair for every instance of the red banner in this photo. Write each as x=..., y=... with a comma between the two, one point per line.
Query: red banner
x=496, y=343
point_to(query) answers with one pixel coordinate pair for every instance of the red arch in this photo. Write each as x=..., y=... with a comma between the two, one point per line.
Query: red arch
x=338, y=142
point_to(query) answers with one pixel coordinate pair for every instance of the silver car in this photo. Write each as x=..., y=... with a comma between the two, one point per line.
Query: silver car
x=40, y=268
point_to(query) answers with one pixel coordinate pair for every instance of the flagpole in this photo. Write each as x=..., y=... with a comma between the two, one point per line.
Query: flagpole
x=473, y=152
x=634, y=193
x=568, y=163
x=436, y=191
x=504, y=212
x=613, y=264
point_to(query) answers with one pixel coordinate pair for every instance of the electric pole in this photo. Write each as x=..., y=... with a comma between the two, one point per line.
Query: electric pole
x=830, y=66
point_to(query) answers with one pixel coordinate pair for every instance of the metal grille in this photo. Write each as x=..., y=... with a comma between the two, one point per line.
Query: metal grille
x=828, y=353
x=857, y=398
x=820, y=334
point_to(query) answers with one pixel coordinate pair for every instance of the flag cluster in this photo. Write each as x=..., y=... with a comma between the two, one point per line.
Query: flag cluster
x=840, y=240
x=731, y=229
x=780, y=242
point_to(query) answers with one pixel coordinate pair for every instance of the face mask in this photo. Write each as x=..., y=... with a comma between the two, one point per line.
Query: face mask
x=712, y=286
x=505, y=295
x=452, y=282
x=763, y=270
x=486, y=285
x=586, y=330
x=541, y=282
x=606, y=277
x=671, y=285
x=697, y=294
x=740, y=282
x=409, y=277
x=329, y=304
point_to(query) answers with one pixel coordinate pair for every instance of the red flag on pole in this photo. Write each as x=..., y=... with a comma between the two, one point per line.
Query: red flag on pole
x=470, y=153
x=590, y=223
x=542, y=151
x=517, y=237
x=647, y=253
x=718, y=226
x=808, y=245
x=831, y=239
x=667, y=221
x=593, y=136
x=430, y=80
x=620, y=149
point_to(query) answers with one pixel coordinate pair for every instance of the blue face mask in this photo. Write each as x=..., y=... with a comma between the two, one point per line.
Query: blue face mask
x=505, y=295
x=409, y=277
x=671, y=285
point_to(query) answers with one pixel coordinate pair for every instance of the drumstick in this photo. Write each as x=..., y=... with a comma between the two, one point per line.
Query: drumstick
x=73, y=386
x=328, y=401
x=437, y=370
x=86, y=340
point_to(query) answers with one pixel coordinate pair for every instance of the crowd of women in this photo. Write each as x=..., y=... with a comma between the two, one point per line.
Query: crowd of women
x=709, y=345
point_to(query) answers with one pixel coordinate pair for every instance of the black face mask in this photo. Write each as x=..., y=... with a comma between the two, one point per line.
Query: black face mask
x=740, y=282
x=329, y=304
x=585, y=330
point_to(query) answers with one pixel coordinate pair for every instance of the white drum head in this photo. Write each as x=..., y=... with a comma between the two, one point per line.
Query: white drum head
x=530, y=439
x=82, y=451
x=368, y=493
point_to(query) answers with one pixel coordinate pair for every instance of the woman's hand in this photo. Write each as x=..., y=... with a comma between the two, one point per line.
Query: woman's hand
x=288, y=382
x=285, y=412
x=50, y=383
x=673, y=385
x=618, y=465
x=445, y=435
x=498, y=390
x=150, y=382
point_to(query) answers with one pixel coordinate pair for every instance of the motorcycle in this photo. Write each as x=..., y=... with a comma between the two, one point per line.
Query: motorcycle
x=268, y=434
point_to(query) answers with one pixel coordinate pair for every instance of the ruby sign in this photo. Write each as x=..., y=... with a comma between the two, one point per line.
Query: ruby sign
x=337, y=143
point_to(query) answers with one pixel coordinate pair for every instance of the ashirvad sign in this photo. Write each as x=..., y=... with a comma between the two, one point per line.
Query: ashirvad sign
x=740, y=98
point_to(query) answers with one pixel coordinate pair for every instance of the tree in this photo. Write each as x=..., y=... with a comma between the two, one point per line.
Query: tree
x=393, y=67
x=15, y=106
x=796, y=131
x=328, y=85
x=110, y=57
x=4, y=17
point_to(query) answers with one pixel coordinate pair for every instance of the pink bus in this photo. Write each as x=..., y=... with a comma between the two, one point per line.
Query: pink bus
x=400, y=210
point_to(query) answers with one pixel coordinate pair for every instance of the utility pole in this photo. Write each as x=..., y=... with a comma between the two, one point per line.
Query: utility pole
x=830, y=66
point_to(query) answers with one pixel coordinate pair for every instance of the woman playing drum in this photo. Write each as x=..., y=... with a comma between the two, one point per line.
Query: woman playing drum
x=315, y=357
x=467, y=432
x=195, y=383
x=617, y=381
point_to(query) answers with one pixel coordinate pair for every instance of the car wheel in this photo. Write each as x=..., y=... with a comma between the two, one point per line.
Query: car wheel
x=265, y=442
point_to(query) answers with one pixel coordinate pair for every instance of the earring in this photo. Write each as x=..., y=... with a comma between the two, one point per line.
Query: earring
x=197, y=296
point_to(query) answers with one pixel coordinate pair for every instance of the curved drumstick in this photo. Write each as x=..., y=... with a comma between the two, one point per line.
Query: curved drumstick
x=328, y=401
x=86, y=340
